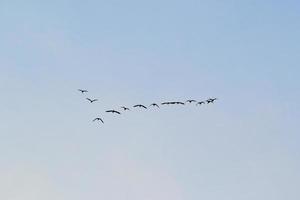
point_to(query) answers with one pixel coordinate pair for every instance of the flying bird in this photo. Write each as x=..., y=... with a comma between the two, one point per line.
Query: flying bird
x=200, y=103
x=211, y=100
x=91, y=100
x=98, y=119
x=140, y=106
x=172, y=103
x=82, y=91
x=125, y=108
x=191, y=101
x=113, y=111
x=154, y=105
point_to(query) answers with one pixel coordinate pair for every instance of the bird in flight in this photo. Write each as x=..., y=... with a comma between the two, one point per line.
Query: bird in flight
x=91, y=100
x=140, y=106
x=200, y=103
x=98, y=119
x=172, y=103
x=154, y=105
x=82, y=91
x=211, y=100
x=191, y=101
x=113, y=111
x=125, y=108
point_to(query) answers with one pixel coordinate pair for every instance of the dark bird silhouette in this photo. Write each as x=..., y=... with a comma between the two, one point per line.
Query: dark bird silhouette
x=98, y=119
x=91, y=100
x=125, y=108
x=172, y=103
x=200, y=103
x=191, y=101
x=82, y=91
x=113, y=111
x=154, y=105
x=140, y=106
x=211, y=100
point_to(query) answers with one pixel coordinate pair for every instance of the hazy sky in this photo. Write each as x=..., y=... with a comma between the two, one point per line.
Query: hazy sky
x=245, y=146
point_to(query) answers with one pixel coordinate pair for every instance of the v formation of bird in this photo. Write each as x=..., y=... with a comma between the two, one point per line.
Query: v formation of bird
x=154, y=105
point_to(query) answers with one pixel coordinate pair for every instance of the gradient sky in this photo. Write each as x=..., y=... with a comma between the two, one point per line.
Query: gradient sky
x=245, y=146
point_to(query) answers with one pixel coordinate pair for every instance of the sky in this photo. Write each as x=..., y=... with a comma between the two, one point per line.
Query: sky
x=245, y=53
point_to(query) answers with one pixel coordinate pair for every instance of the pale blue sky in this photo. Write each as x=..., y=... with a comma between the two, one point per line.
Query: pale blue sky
x=246, y=146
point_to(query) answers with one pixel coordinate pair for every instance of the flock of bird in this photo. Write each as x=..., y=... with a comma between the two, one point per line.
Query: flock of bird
x=198, y=103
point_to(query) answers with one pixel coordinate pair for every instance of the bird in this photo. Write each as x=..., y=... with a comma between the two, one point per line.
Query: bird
x=98, y=119
x=191, y=101
x=113, y=111
x=172, y=103
x=200, y=103
x=211, y=100
x=91, y=100
x=125, y=108
x=154, y=105
x=82, y=91
x=140, y=105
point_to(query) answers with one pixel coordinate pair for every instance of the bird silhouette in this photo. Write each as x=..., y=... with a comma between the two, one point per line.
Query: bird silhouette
x=191, y=101
x=98, y=119
x=125, y=108
x=82, y=91
x=91, y=100
x=211, y=100
x=154, y=105
x=140, y=106
x=200, y=103
x=172, y=103
x=113, y=111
